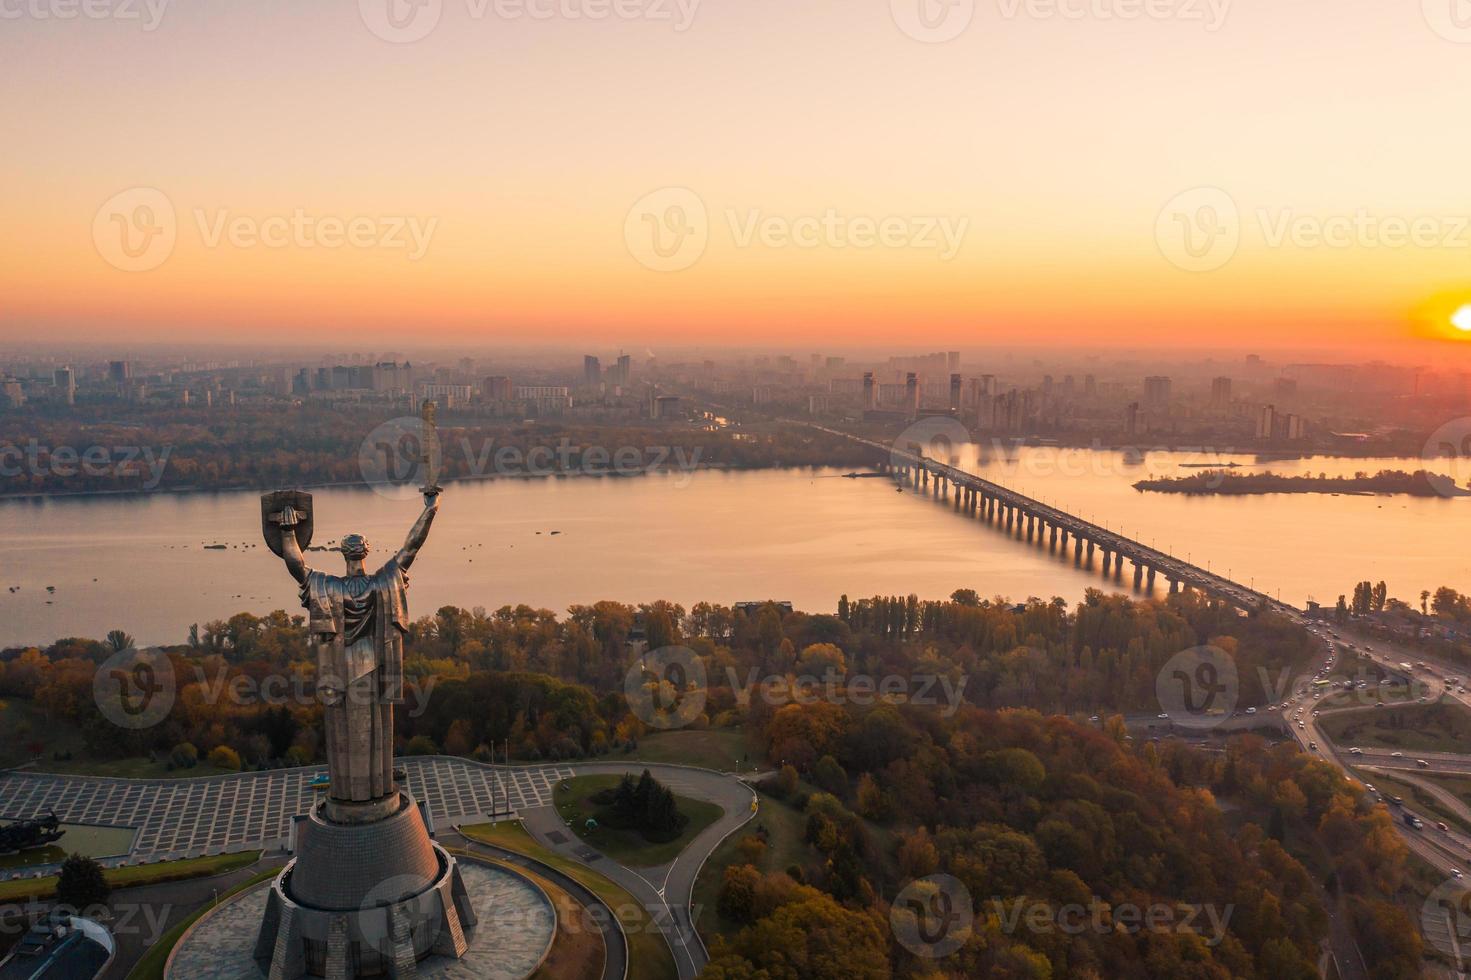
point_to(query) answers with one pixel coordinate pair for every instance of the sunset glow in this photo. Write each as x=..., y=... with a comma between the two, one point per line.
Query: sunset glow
x=1064, y=152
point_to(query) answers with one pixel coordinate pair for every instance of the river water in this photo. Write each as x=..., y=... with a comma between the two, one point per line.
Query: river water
x=141, y=564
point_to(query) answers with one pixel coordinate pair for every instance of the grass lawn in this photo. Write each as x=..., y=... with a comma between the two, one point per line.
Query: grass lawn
x=786, y=827
x=1442, y=727
x=150, y=965
x=572, y=798
x=1458, y=784
x=723, y=750
x=40, y=889
x=648, y=954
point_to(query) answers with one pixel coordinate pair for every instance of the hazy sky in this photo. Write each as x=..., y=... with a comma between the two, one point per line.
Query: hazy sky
x=1181, y=172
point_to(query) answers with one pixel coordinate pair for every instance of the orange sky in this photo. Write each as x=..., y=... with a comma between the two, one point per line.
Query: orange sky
x=1262, y=173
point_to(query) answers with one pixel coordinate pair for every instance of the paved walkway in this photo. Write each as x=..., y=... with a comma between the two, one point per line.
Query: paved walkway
x=180, y=818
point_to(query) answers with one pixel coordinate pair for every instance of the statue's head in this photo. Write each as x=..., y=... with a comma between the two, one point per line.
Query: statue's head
x=355, y=547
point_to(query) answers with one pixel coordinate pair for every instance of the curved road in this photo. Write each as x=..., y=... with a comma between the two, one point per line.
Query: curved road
x=667, y=890
x=615, y=943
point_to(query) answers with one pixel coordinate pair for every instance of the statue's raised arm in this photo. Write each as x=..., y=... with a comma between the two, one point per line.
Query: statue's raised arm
x=420, y=531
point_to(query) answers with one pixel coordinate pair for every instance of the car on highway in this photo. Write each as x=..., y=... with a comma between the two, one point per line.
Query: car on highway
x=1355, y=751
x=1251, y=711
x=1313, y=746
x=1455, y=873
x=1421, y=763
x=1396, y=755
x=1440, y=825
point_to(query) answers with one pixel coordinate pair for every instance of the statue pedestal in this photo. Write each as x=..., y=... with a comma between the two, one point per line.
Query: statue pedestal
x=367, y=895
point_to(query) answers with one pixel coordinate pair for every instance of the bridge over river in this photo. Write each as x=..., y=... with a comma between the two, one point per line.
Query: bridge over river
x=1023, y=516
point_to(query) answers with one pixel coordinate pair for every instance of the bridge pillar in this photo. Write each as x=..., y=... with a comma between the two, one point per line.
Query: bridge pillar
x=1031, y=525
x=1138, y=576
x=1151, y=578
x=1010, y=517
x=1174, y=586
x=1106, y=560
x=1090, y=550
x=1052, y=538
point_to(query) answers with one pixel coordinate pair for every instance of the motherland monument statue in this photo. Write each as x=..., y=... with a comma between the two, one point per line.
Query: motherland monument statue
x=368, y=893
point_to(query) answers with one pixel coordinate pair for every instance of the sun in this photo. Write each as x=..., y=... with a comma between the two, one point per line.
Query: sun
x=1461, y=319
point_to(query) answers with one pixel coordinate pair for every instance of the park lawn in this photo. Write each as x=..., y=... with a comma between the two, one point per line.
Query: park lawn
x=648, y=953
x=1444, y=727
x=41, y=889
x=150, y=965
x=572, y=798
x=785, y=846
x=724, y=750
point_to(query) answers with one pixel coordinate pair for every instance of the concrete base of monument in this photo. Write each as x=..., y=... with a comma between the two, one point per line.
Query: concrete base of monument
x=516, y=927
x=373, y=896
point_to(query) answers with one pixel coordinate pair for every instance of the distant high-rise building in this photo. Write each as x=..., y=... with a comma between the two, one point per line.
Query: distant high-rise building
x=1157, y=393
x=869, y=394
x=11, y=393
x=1266, y=423
x=121, y=372
x=1090, y=386
x=952, y=360
x=592, y=370
x=625, y=369
x=955, y=393
x=497, y=389
x=1131, y=419
x=65, y=383
x=1221, y=394
x=911, y=393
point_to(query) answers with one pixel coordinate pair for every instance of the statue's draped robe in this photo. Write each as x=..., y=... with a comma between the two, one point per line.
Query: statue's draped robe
x=357, y=625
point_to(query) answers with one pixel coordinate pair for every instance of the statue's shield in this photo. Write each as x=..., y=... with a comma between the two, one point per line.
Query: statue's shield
x=271, y=506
